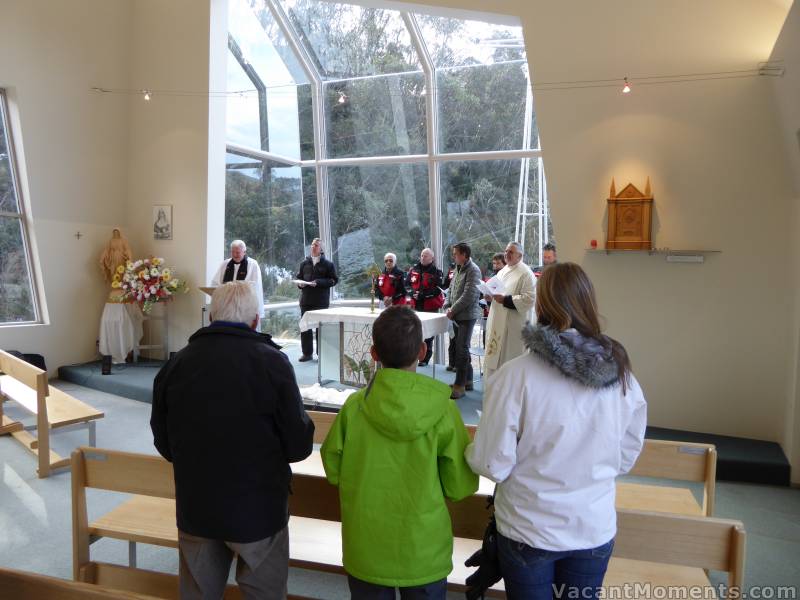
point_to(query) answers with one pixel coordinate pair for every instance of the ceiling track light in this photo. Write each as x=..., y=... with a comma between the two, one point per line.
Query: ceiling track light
x=626, y=89
x=146, y=94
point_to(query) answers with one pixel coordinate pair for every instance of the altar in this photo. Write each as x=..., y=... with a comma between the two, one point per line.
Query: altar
x=345, y=337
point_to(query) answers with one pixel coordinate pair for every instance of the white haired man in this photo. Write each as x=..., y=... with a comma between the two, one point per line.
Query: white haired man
x=390, y=287
x=227, y=413
x=425, y=281
x=240, y=267
x=509, y=312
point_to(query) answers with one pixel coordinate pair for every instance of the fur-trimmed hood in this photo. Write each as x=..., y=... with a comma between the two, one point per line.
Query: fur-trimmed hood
x=586, y=360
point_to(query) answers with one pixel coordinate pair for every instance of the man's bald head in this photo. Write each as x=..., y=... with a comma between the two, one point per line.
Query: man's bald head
x=426, y=256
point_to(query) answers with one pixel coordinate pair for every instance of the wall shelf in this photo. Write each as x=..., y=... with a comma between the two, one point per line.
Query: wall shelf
x=669, y=254
x=673, y=251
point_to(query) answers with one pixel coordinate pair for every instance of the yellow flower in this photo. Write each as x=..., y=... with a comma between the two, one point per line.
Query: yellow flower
x=116, y=277
x=129, y=265
x=157, y=261
x=166, y=274
x=115, y=284
x=120, y=269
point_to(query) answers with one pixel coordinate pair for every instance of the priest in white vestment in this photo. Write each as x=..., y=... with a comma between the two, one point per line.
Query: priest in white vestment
x=510, y=311
x=240, y=267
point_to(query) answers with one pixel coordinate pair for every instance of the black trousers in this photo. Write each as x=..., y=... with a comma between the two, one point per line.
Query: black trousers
x=463, y=361
x=307, y=337
x=428, y=341
x=451, y=351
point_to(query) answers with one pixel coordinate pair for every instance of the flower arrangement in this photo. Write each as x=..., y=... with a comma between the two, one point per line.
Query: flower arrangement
x=146, y=281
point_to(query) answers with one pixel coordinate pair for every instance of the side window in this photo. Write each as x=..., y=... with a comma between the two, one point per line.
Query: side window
x=18, y=303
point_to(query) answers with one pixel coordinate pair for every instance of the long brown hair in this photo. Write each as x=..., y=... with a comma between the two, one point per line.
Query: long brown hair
x=565, y=298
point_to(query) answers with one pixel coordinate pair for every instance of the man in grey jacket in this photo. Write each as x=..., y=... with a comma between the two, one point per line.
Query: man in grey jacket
x=463, y=310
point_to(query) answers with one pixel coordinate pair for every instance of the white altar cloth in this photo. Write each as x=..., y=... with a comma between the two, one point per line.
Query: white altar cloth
x=432, y=323
x=120, y=330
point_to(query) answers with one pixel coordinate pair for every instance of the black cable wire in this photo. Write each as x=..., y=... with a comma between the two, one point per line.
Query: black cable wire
x=541, y=86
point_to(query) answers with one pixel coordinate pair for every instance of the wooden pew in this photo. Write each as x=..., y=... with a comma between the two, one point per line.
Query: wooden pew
x=659, y=459
x=680, y=461
x=27, y=386
x=651, y=547
x=33, y=586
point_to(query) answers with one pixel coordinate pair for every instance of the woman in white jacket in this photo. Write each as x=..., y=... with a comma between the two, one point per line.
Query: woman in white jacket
x=559, y=425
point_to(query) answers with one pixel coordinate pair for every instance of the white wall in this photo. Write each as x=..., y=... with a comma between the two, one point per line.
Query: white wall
x=710, y=343
x=74, y=145
x=169, y=143
x=787, y=101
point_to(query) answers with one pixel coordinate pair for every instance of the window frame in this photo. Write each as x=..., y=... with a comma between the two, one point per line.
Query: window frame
x=23, y=215
x=530, y=153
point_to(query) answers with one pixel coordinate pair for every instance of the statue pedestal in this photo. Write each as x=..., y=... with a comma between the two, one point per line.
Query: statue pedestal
x=158, y=328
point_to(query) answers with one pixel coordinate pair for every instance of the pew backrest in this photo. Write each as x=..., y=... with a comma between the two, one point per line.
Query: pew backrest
x=660, y=459
x=24, y=372
x=702, y=542
x=680, y=461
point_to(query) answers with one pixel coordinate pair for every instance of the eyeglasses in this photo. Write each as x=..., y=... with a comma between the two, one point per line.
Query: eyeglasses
x=388, y=260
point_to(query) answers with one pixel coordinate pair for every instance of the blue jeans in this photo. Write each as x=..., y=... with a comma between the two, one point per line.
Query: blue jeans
x=362, y=590
x=535, y=574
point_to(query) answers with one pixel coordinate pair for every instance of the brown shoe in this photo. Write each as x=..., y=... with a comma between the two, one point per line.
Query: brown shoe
x=458, y=392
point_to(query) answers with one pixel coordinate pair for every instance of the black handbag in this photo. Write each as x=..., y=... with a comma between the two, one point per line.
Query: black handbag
x=487, y=561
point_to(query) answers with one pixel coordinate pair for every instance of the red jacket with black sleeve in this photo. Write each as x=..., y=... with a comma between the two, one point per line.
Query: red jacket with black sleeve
x=392, y=285
x=425, y=284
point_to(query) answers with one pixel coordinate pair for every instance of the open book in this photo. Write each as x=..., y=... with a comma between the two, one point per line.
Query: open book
x=492, y=287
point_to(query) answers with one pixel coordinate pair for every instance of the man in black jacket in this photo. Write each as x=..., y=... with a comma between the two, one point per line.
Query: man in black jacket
x=321, y=276
x=227, y=413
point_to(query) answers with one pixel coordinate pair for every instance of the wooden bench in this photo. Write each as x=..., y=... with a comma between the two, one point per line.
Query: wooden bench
x=22, y=584
x=677, y=461
x=651, y=547
x=33, y=586
x=27, y=386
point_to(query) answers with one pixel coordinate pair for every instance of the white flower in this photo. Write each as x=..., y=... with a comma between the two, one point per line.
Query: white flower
x=153, y=272
x=139, y=297
x=147, y=294
x=153, y=289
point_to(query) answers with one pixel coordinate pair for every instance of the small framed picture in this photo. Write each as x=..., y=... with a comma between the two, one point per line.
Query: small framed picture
x=162, y=221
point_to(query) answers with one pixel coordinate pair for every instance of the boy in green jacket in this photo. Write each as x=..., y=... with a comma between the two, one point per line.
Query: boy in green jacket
x=396, y=451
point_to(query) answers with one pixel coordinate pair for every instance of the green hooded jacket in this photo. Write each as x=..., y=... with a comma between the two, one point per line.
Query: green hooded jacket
x=396, y=451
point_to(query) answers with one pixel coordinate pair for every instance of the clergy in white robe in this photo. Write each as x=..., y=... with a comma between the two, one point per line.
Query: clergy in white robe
x=240, y=267
x=509, y=311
